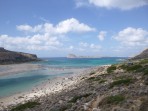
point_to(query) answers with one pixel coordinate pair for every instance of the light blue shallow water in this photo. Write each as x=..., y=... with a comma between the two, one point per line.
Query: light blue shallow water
x=20, y=82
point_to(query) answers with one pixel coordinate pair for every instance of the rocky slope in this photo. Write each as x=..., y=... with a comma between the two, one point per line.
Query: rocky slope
x=142, y=55
x=10, y=57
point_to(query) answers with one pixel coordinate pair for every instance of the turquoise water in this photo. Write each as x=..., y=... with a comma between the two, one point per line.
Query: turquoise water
x=80, y=62
x=20, y=82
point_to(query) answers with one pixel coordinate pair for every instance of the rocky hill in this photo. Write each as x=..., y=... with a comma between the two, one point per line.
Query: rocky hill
x=142, y=55
x=11, y=57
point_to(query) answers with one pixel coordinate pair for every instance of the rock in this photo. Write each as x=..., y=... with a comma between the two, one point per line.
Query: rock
x=11, y=57
x=60, y=101
x=96, y=109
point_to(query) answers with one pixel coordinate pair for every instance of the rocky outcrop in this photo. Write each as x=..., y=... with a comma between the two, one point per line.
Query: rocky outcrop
x=142, y=55
x=11, y=57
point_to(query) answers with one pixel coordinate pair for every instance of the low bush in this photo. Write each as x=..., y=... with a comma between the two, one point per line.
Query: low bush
x=131, y=68
x=123, y=81
x=111, y=69
x=144, y=61
x=102, y=81
x=134, y=67
x=112, y=100
x=94, y=78
x=65, y=107
x=22, y=107
x=75, y=98
x=146, y=72
x=91, y=73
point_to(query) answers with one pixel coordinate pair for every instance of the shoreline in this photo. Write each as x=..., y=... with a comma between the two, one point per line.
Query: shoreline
x=50, y=86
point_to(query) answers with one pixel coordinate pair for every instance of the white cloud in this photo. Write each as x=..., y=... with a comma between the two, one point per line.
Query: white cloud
x=28, y=28
x=80, y=3
x=44, y=36
x=84, y=46
x=72, y=25
x=102, y=35
x=120, y=4
x=24, y=28
x=35, y=42
x=63, y=27
x=133, y=37
x=71, y=47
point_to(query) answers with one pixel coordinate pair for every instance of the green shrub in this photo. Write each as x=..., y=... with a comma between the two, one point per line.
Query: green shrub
x=94, y=78
x=134, y=67
x=102, y=81
x=131, y=68
x=123, y=66
x=145, y=72
x=24, y=106
x=144, y=61
x=112, y=100
x=63, y=108
x=75, y=98
x=124, y=81
x=92, y=73
x=111, y=69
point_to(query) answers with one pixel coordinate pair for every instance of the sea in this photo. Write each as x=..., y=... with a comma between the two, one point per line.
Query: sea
x=51, y=69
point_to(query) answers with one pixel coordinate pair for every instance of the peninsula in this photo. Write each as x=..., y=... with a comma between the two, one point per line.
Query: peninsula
x=11, y=57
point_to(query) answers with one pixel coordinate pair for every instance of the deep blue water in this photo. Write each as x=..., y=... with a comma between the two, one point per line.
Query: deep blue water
x=20, y=82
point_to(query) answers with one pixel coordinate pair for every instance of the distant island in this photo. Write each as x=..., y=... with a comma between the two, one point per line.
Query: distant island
x=11, y=57
x=75, y=56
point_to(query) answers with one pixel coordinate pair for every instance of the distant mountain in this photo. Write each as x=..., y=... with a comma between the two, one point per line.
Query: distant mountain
x=142, y=55
x=11, y=57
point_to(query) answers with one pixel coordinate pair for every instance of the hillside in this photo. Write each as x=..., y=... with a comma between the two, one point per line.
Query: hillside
x=11, y=57
x=142, y=55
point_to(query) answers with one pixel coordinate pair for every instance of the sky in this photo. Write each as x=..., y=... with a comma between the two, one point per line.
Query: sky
x=56, y=28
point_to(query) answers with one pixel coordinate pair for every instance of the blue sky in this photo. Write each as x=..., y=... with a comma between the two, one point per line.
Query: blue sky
x=53, y=28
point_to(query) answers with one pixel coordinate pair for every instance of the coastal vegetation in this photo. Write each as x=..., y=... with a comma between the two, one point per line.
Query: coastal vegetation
x=75, y=98
x=92, y=73
x=22, y=107
x=112, y=100
x=131, y=68
x=111, y=69
x=122, y=81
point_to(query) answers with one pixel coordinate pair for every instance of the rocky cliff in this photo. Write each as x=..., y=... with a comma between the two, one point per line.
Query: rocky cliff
x=142, y=55
x=10, y=57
